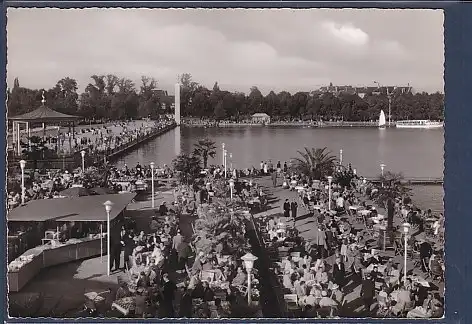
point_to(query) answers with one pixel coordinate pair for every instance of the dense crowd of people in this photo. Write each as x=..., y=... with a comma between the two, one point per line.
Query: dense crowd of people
x=347, y=248
x=170, y=273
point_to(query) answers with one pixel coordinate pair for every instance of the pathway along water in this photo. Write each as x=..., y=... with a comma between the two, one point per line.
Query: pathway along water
x=414, y=152
x=271, y=306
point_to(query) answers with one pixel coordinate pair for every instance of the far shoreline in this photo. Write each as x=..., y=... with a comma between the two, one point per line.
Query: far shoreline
x=287, y=125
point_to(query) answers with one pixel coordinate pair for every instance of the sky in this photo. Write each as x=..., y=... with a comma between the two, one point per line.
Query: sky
x=280, y=49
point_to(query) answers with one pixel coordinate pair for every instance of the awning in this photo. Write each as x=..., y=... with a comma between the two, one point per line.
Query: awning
x=86, y=208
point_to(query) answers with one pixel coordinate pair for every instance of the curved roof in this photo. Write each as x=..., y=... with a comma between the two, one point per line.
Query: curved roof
x=44, y=114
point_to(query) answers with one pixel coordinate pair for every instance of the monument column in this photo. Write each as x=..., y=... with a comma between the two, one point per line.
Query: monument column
x=177, y=104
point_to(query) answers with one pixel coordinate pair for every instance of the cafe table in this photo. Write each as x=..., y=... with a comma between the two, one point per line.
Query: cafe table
x=380, y=267
x=421, y=281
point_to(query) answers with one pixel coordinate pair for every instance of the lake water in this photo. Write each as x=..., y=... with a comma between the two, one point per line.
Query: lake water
x=414, y=152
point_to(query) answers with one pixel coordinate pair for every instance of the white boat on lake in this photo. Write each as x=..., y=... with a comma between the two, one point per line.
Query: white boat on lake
x=382, y=121
x=419, y=124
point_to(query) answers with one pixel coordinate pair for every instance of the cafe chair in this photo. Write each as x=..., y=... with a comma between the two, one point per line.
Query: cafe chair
x=397, y=248
x=436, y=273
x=291, y=302
x=359, y=218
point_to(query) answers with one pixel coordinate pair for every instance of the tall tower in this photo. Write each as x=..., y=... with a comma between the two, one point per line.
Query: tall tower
x=177, y=104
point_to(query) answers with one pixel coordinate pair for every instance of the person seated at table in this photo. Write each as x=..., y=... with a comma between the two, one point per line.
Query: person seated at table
x=307, y=275
x=157, y=256
x=287, y=281
x=419, y=294
x=321, y=276
x=240, y=279
x=163, y=209
x=376, y=274
x=143, y=280
x=383, y=298
x=123, y=291
x=339, y=273
x=337, y=295
x=300, y=287
x=435, y=266
x=434, y=306
x=408, y=284
x=326, y=301
x=403, y=301
x=287, y=264
x=208, y=294
x=392, y=273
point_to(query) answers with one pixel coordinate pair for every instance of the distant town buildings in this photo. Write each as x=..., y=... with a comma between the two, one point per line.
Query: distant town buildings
x=362, y=91
x=166, y=100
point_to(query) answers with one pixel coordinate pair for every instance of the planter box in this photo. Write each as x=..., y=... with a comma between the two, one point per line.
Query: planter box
x=90, y=248
x=18, y=279
x=59, y=255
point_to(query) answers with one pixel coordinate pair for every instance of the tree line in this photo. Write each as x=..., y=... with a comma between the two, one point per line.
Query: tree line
x=106, y=97
x=111, y=97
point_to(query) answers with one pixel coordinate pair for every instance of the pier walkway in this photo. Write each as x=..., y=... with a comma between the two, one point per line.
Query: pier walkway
x=119, y=151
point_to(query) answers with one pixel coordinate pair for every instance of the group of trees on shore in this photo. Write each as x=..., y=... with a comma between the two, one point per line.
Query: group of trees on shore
x=106, y=97
x=111, y=97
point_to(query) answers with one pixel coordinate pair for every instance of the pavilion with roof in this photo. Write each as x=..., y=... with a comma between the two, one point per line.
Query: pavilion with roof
x=44, y=115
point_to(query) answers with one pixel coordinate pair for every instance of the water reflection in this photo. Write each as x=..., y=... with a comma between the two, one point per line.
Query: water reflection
x=177, y=140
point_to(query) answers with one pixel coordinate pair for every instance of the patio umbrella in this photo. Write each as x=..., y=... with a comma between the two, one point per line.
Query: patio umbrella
x=75, y=192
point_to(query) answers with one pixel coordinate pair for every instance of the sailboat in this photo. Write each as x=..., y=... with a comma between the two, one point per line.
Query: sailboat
x=382, y=121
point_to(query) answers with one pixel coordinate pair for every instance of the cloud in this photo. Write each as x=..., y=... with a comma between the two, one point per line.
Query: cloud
x=295, y=50
x=347, y=33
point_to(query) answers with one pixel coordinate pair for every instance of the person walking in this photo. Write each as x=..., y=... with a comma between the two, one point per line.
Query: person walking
x=168, y=294
x=286, y=209
x=294, y=208
x=274, y=178
x=368, y=292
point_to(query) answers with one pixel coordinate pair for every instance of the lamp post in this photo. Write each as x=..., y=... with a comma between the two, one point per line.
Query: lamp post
x=330, y=179
x=152, y=183
x=231, y=187
x=231, y=161
x=382, y=167
x=406, y=229
x=23, y=189
x=83, y=160
x=341, y=157
x=225, y=153
x=249, y=260
x=108, y=205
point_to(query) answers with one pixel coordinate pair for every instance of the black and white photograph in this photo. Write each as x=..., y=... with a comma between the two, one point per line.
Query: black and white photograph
x=225, y=163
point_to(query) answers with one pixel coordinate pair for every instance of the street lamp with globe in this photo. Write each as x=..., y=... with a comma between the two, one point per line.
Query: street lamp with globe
x=108, y=206
x=231, y=187
x=82, y=153
x=23, y=189
x=152, y=183
x=249, y=260
x=406, y=229
x=330, y=180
